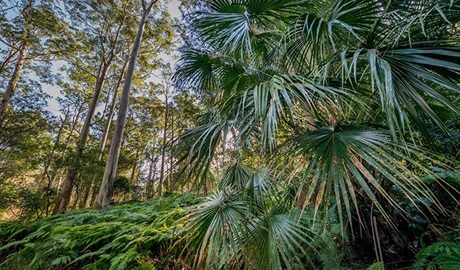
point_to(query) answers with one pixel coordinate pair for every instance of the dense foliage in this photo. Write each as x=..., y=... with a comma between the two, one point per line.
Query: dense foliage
x=131, y=235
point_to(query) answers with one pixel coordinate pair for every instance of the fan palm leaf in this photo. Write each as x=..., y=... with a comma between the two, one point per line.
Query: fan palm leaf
x=343, y=162
x=218, y=228
x=197, y=68
x=246, y=229
x=279, y=236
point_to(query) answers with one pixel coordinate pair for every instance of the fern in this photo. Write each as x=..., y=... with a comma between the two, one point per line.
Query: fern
x=443, y=255
x=377, y=266
x=119, y=237
x=61, y=260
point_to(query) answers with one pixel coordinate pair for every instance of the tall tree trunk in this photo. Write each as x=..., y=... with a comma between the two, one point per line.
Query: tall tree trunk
x=151, y=177
x=108, y=123
x=105, y=134
x=70, y=181
x=64, y=199
x=53, y=151
x=88, y=188
x=112, y=162
x=56, y=173
x=133, y=171
x=12, y=84
x=163, y=147
x=75, y=121
x=23, y=49
x=171, y=163
x=50, y=160
x=130, y=119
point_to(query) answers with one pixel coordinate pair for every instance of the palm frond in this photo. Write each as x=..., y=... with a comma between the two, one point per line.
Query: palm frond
x=196, y=68
x=277, y=98
x=278, y=238
x=236, y=176
x=344, y=162
x=217, y=228
x=321, y=32
x=198, y=145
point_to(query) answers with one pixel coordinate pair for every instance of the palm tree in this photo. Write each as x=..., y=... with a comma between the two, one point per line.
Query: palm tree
x=238, y=228
x=337, y=95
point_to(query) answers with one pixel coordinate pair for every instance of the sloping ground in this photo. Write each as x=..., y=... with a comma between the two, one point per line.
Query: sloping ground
x=138, y=235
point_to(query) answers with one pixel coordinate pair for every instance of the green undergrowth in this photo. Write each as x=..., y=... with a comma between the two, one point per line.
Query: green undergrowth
x=135, y=235
x=444, y=254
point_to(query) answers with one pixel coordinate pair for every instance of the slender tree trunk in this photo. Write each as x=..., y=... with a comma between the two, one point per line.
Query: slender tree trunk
x=8, y=60
x=171, y=163
x=71, y=178
x=67, y=143
x=70, y=181
x=150, y=178
x=108, y=123
x=112, y=162
x=50, y=160
x=12, y=84
x=105, y=134
x=133, y=171
x=23, y=49
x=76, y=197
x=74, y=127
x=53, y=151
x=163, y=147
x=84, y=199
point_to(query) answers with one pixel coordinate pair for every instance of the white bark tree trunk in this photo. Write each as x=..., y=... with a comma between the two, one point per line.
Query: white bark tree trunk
x=112, y=162
x=163, y=147
x=71, y=178
x=105, y=134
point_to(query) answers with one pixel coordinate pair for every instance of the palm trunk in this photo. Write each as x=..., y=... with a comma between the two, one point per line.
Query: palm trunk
x=70, y=181
x=12, y=84
x=112, y=162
